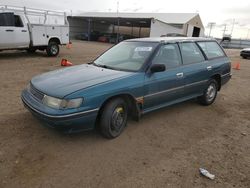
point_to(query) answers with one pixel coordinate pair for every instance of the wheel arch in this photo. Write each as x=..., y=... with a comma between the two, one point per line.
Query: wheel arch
x=54, y=39
x=217, y=77
x=133, y=106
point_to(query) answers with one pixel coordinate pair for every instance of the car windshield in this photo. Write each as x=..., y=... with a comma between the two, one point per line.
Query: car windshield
x=127, y=56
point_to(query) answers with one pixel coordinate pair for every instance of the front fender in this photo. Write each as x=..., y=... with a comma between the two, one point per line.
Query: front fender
x=94, y=97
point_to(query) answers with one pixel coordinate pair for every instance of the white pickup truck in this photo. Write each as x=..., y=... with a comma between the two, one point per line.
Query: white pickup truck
x=17, y=31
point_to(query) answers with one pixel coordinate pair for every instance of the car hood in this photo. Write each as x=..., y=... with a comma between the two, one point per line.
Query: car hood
x=65, y=81
x=245, y=49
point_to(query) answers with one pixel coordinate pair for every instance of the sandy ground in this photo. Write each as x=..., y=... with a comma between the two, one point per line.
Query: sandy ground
x=165, y=149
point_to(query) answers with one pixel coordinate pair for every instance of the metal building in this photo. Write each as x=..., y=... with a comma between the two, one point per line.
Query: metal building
x=137, y=24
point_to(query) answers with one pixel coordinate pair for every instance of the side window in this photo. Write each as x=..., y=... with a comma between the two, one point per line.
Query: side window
x=7, y=19
x=2, y=20
x=191, y=53
x=169, y=55
x=211, y=49
x=18, y=21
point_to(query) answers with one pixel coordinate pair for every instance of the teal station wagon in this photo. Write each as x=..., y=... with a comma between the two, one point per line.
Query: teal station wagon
x=131, y=79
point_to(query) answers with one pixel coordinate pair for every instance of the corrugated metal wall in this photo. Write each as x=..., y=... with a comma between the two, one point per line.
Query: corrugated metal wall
x=78, y=26
x=236, y=43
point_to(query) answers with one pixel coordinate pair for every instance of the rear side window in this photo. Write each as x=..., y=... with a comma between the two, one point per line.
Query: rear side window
x=18, y=21
x=169, y=55
x=211, y=49
x=191, y=53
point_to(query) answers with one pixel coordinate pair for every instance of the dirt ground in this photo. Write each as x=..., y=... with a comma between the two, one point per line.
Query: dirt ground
x=165, y=149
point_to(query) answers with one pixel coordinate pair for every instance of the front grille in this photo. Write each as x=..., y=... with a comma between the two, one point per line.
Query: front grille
x=37, y=94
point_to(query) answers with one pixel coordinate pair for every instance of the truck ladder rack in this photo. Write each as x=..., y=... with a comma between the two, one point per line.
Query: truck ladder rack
x=34, y=12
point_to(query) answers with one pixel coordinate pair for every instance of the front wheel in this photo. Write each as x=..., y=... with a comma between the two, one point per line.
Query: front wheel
x=52, y=49
x=114, y=117
x=210, y=93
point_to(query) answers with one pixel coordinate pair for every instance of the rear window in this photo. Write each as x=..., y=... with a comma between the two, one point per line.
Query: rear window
x=211, y=49
x=191, y=53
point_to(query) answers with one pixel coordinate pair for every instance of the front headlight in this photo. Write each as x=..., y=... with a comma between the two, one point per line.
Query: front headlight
x=52, y=102
x=72, y=103
x=62, y=103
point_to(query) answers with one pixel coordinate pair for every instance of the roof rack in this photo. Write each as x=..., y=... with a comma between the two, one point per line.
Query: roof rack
x=34, y=12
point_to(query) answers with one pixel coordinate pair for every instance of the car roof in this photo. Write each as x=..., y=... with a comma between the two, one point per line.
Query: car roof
x=171, y=39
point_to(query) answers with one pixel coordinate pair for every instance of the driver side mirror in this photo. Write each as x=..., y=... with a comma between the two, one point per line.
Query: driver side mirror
x=157, y=68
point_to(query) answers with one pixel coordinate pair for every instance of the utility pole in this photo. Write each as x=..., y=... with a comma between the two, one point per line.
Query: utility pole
x=248, y=33
x=224, y=30
x=118, y=23
x=117, y=7
x=210, y=25
x=233, y=26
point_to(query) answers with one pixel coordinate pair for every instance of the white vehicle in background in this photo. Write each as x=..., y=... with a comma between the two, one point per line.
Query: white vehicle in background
x=18, y=30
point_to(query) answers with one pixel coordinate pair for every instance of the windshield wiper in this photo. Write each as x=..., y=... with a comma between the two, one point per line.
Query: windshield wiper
x=103, y=66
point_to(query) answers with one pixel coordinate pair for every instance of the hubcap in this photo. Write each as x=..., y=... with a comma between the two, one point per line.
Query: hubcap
x=54, y=49
x=211, y=92
x=118, y=118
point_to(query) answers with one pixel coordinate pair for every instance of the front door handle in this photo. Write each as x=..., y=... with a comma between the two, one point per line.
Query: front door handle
x=9, y=30
x=24, y=31
x=179, y=75
x=209, y=68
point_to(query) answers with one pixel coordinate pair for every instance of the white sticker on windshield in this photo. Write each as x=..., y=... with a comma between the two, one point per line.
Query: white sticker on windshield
x=143, y=49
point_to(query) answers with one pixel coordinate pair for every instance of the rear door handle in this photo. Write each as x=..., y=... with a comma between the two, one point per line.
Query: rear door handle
x=179, y=75
x=209, y=68
x=24, y=31
x=9, y=30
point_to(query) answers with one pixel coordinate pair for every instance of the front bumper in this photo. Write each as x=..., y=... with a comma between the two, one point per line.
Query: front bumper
x=245, y=53
x=67, y=122
x=225, y=78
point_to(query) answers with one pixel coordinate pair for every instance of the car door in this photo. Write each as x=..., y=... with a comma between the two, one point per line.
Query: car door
x=21, y=33
x=162, y=88
x=195, y=69
x=217, y=62
x=7, y=33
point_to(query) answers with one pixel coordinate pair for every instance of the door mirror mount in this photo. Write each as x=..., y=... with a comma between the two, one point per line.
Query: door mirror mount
x=157, y=68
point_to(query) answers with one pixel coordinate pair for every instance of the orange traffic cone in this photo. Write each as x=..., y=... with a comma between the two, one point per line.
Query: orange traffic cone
x=65, y=62
x=237, y=66
x=69, y=45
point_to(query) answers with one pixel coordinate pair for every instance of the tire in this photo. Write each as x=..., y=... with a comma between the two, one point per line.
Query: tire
x=210, y=93
x=114, y=118
x=31, y=50
x=52, y=49
x=244, y=57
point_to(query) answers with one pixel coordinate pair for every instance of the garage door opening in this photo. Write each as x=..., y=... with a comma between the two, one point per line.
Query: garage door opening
x=196, y=32
x=106, y=29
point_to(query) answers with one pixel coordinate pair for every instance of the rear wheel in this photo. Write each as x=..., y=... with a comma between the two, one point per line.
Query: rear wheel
x=52, y=49
x=210, y=93
x=114, y=117
x=244, y=57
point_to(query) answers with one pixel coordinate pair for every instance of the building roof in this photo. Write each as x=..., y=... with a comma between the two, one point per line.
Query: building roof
x=169, y=18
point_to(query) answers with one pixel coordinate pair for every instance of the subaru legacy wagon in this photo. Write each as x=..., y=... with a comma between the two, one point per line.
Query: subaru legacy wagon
x=132, y=78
